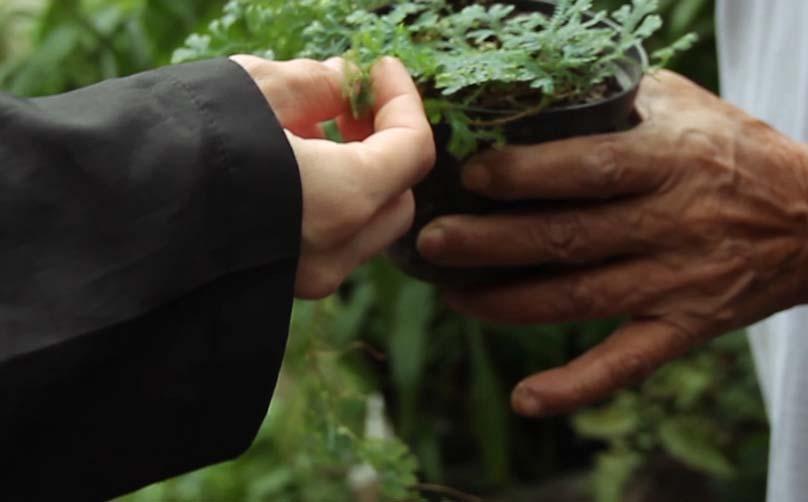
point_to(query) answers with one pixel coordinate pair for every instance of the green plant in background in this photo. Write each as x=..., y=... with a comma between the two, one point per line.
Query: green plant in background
x=444, y=379
x=326, y=436
x=702, y=411
x=79, y=42
x=268, y=28
x=16, y=23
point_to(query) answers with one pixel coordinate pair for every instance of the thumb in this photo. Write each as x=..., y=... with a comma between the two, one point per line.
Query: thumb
x=628, y=356
x=302, y=92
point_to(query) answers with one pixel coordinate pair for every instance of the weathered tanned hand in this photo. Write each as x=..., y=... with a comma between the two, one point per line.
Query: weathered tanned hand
x=695, y=223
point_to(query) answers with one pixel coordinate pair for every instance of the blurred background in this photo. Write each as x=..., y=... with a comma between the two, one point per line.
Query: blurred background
x=385, y=394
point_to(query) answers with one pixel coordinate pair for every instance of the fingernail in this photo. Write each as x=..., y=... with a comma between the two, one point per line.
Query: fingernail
x=526, y=402
x=476, y=177
x=431, y=240
x=335, y=64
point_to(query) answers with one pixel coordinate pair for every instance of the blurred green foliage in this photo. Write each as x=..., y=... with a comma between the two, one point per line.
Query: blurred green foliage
x=17, y=19
x=326, y=437
x=702, y=411
x=382, y=383
x=74, y=43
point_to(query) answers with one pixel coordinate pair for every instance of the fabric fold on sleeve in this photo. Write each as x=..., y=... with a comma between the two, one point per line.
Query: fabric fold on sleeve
x=149, y=239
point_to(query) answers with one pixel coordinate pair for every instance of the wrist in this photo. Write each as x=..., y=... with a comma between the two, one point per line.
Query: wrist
x=800, y=155
x=802, y=158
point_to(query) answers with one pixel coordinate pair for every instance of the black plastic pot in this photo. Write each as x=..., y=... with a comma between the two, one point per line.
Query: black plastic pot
x=442, y=192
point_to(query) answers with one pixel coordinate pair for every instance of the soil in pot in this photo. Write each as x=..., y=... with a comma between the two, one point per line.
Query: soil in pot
x=609, y=109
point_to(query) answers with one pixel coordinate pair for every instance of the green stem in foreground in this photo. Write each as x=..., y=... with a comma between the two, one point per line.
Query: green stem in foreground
x=545, y=103
x=457, y=495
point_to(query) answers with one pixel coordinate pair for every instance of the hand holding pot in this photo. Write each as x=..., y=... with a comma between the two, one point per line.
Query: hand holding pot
x=356, y=196
x=693, y=224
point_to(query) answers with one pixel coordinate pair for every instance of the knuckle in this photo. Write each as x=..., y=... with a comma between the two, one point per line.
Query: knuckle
x=619, y=372
x=327, y=233
x=333, y=234
x=357, y=199
x=426, y=150
x=512, y=169
x=310, y=67
x=578, y=300
x=684, y=333
x=537, y=240
x=338, y=221
x=332, y=81
x=308, y=73
x=251, y=63
x=585, y=391
x=604, y=167
x=668, y=76
x=430, y=149
x=563, y=236
x=361, y=210
x=319, y=281
x=707, y=148
x=713, y=155
x=631, y=368
x=539, y=244
x=347, y=220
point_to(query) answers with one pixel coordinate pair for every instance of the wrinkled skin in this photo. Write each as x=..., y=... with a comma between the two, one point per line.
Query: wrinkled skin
x=357, y=196
x=691, y=225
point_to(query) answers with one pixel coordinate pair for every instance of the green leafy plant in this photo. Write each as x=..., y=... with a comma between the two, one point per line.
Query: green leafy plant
x=16, y=23
x=480, y=65
x=487, y=64
x=326, y=437
x=61, y=45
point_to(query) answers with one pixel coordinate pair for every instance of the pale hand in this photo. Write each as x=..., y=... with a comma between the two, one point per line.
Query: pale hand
x=356, y=196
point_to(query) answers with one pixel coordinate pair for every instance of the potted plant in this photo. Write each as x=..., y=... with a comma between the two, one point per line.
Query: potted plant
x=491, y=72
x=494, y=72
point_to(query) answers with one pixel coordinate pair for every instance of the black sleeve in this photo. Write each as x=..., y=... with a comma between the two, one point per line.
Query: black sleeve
x=149, y=235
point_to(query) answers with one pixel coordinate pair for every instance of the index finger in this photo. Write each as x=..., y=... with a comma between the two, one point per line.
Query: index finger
x=593, y=167
x=402, y=149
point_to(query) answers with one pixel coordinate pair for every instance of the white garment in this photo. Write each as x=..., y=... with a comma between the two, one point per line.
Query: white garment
x=764, y=65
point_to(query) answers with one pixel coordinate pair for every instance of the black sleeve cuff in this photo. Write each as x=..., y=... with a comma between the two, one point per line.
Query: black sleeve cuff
x=258, y=182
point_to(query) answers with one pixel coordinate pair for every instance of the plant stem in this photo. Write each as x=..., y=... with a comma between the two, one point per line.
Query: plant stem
x=450, y=492
x=545, y=103
x=372, y=351
x=512, y=118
